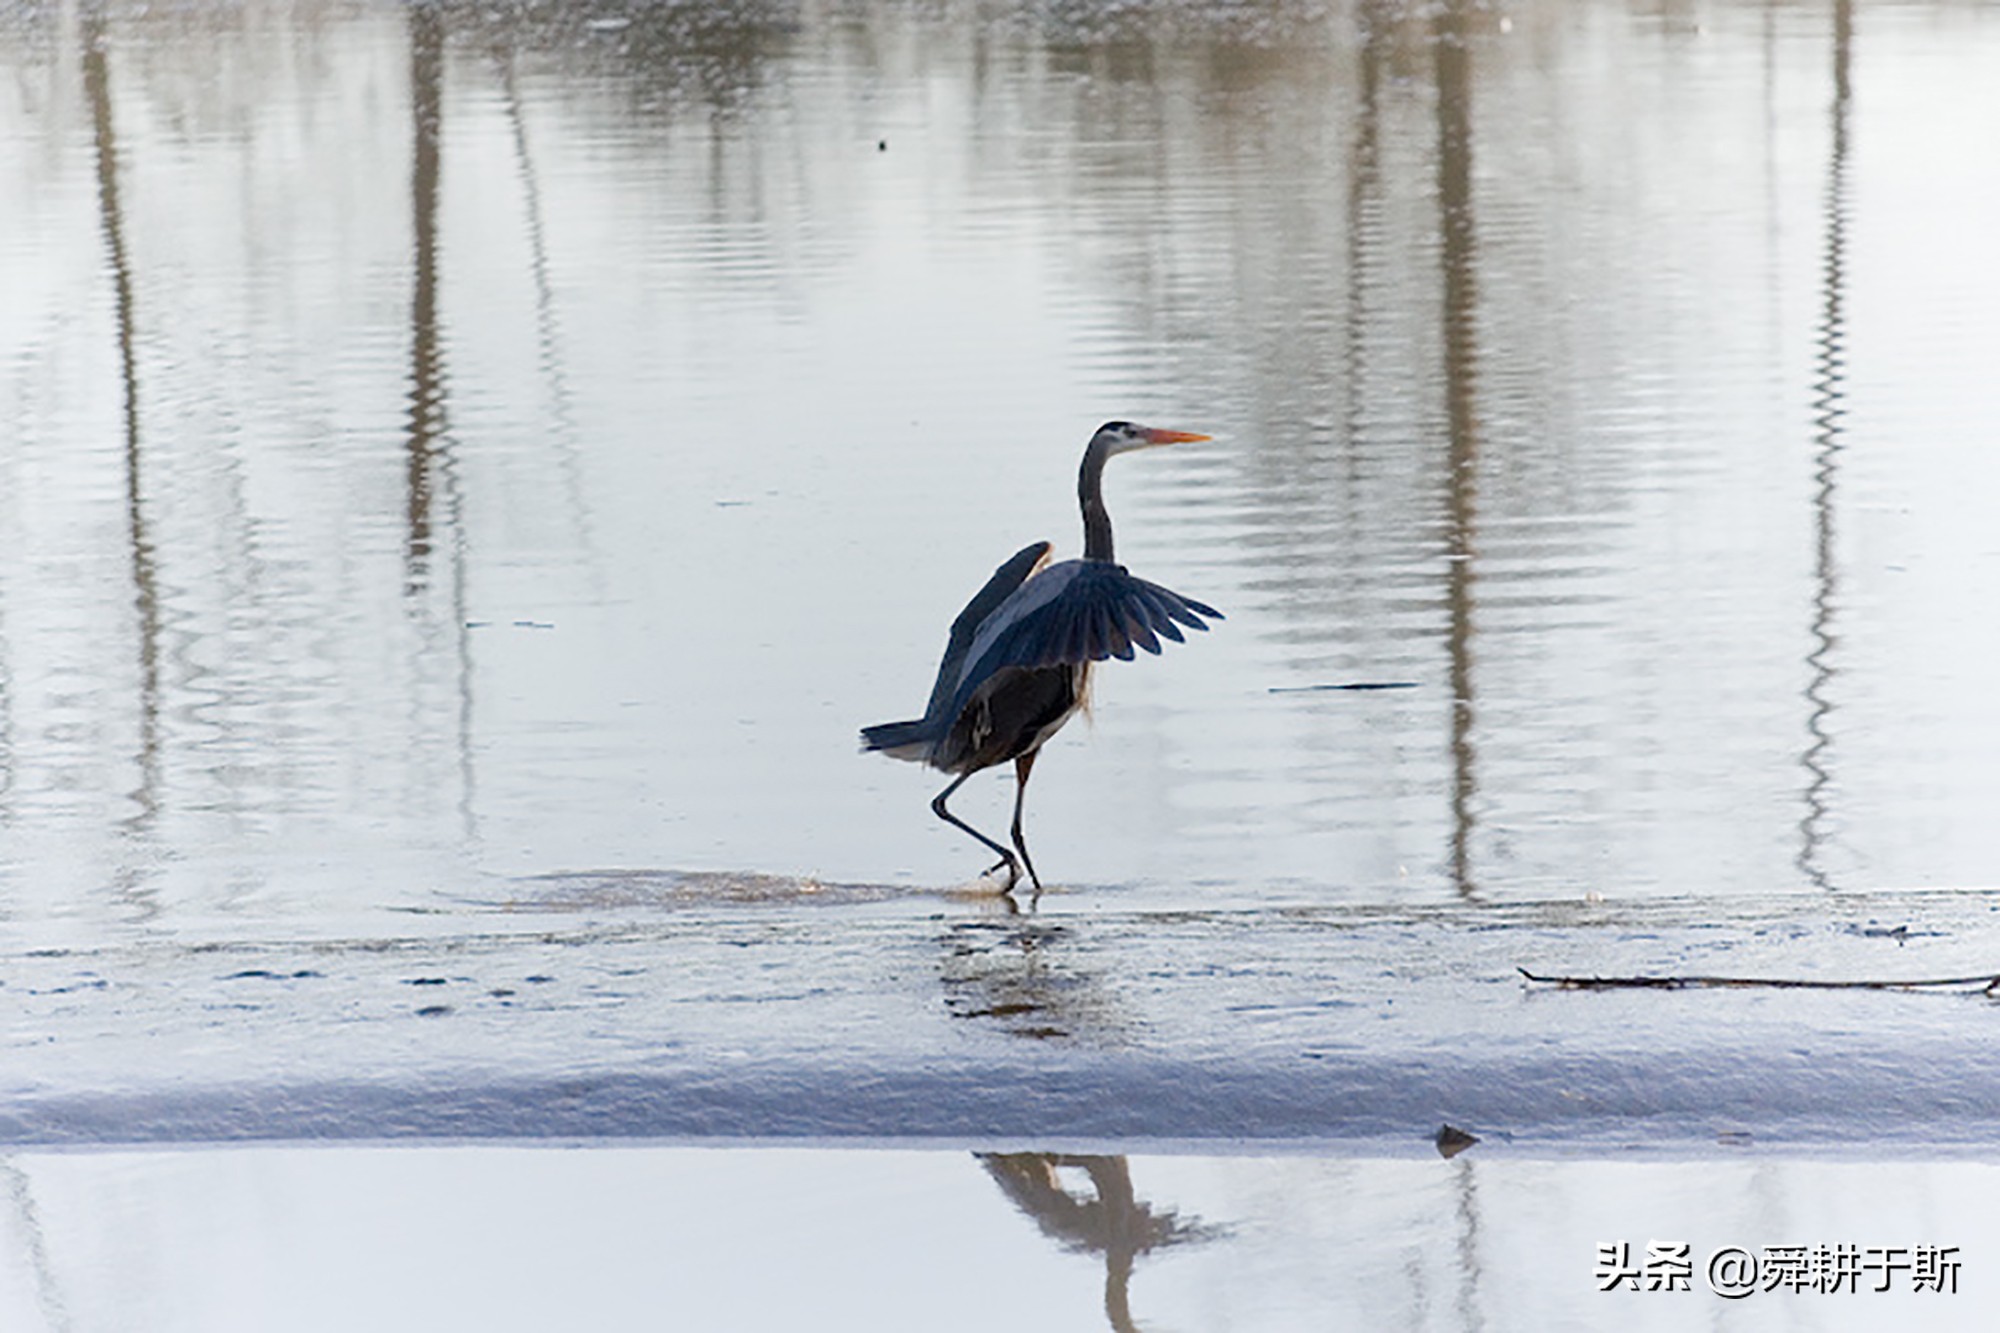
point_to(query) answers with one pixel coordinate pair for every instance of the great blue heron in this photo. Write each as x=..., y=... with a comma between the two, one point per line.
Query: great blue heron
x=1017, y=664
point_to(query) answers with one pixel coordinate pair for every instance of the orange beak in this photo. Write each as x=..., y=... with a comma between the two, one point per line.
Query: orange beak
x=1174, y=437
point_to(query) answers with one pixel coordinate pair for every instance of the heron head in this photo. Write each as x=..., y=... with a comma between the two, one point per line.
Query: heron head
x=1118, y=437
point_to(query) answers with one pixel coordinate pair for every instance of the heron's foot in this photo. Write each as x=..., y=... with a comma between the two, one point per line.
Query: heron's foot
x=1013, y=869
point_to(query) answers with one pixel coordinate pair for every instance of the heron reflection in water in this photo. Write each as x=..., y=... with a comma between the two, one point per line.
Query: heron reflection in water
x=1017, y=664
x=1115, y=1223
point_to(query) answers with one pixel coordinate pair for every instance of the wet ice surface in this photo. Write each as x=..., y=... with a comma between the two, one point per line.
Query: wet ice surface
x=640, y=1006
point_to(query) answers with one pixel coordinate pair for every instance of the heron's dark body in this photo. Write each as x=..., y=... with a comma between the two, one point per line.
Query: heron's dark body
x=1011, y=715
x=1017, y=664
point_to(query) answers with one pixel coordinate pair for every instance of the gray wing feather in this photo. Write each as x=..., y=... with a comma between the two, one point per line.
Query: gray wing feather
x=1075, y=639
x=1113, y=621
x=1159, y=618
x=1140, y=631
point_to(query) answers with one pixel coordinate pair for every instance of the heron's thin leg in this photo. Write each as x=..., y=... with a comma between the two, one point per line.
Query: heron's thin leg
x=1023, y=765
x=1006, y=857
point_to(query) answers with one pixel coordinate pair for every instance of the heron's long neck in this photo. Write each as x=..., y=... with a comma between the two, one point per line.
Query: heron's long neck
x=1096, y=518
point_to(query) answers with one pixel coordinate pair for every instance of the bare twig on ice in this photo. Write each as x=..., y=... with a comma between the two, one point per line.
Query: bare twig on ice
x=1987, y=983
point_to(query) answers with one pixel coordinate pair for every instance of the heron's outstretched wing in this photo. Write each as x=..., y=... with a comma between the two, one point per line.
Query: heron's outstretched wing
x=1075, y=612
x=916, y=738
x=998, y=589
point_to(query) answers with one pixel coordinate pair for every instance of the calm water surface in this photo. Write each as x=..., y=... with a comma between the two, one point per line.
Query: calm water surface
x=452, y=441
x=705, y=1238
